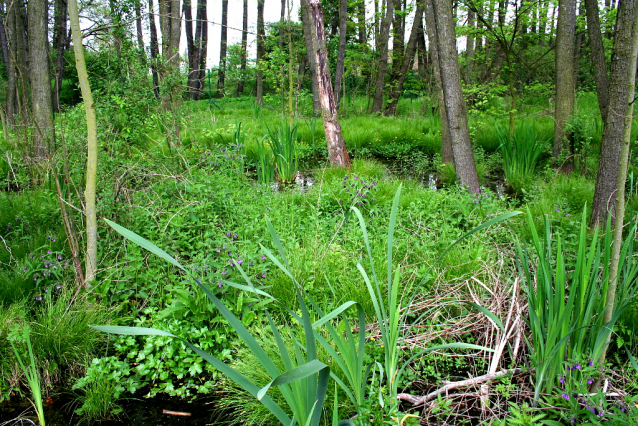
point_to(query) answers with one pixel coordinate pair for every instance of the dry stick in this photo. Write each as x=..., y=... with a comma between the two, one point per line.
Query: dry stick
x=421, y=400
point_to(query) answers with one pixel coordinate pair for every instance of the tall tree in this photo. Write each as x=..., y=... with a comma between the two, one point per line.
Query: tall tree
x=447, y=155
x=341, y=54
x=41, y=99
x=337, y=152
x=91, y=133
x=382, y=63
x=310, y=53
x=469, y=49
x=613, y=126
x=170, y=26
x=6, y=21
x=154, y=47
x=223, y=49
x=402, y=69
x=196, y=47
x=455, y=108
x=361, y=21
x=138, y=27
x=565, y=85
x=597, y=49
x=60, y=43
x=261, y=51
x=244, y=47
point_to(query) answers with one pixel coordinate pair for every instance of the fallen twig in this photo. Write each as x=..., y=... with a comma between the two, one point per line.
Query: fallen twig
x=420, y=400
x=176, y=413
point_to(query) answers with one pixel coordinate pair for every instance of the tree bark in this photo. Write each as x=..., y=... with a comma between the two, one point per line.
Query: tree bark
x=398, y=36
x=447, y=155
x=196, y=47
x=221, y=81
x=91, y=161
x=563, y=150
x=244, y=47
x=154, y=49
x=469, y=49
x=310, y=54
x=6, y=19
x=608, y=166
x=170, y=26
x=599, y=63
x=453, y=93
x=337, y=152
x=59, y=46
x=261, y=51
x=361, y=21
x=402, y=73
x=138, y=28
x=377, y=102
x=41, y=100
x=622, y=180
x=341, y=55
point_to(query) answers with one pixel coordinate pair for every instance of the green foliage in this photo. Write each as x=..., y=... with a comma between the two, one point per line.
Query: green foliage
x=521, y=152
x=565, y=307
x=283, y=142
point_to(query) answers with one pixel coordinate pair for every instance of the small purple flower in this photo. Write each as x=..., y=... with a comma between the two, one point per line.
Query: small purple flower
x=8, y=228
x=263, y=257
x=58, y=287
x=263, y=275
x=577, y=366
x=590, y=381
x=38, y=298
x=224, y=272
x=219, y=285
x=232, y=264
x=566, y=214
x=228, y=233
x=250, y=304
x=590, y=363
x=240, y=261
x=558, y=210
x=234, y=235
x=250, y=264
x=30, y=255
x=59, y=257
x=561, y=379
x=565, y=395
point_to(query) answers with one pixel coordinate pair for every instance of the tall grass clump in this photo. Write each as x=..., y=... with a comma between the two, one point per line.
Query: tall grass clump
x=283, y=141
x=521, y=152
x=567, y=299
x=32, y=375
x=265, y=163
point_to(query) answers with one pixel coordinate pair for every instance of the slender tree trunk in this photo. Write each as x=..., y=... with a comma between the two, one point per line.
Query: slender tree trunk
x=341, y=55
x=261, y=51
x=598, y=60
x=59, y=46
x=578, y=45
x=91, y=162
x=20, y=51
x=154, y=49
x=447, y=155
x=361, y=21
x=402, y=73
x=622, y=180
x=469, y=50
x=377, y=102
x=565, y=97
x=310, y=54
x=244, y=47
x=201, y=46
x=337, y=152
x=221, y=82
x=138, y=28
x=190, y=48
x=170, y=26
x=41, y=99
x=6, y=17
x=422, y=52
x=611, y=144
x=453, y=93
x=398, y=36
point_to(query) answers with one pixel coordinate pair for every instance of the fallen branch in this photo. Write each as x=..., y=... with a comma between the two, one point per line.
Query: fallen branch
x=176, y=413
x=420, y=400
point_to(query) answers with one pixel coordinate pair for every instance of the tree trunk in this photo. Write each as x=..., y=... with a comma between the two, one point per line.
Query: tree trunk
x=91, y=161
x=469, y=49
x=377, y=102
x=599, y=63
x=361, y=21
x=337, y=152
x=608, y=166
x=398, y=36
x=20, y=49
x=453, y=93
x=138, y=28
x=190, y=48
x=261, y=51
x=310, y=54
x=578, y=45
x=341, y=55
x=59, y=46
x=563, y=150
x=223, y=50
x=6, y=18
x=201, y=47
x=154, y=49
x=41, y=100
x=622, y=181
x=244, y=47
x=421, y=51
x=402, y=73
x=170, y=26
x=447, y=155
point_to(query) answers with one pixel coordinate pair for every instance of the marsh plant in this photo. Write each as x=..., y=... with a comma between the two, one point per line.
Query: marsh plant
x=521, y=152
x=31, y=373
x=566, y=299
x=283, y=142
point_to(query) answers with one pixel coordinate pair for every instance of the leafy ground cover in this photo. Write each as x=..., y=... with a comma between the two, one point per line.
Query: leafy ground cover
x=202, y=203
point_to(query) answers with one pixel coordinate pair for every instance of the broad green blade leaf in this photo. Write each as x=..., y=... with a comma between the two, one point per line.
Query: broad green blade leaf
x=489, y=314
x=248, y=289
x=132, y=331
x=143, y=242
x=333, y=314
x=298, y=373
x=632, y=359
